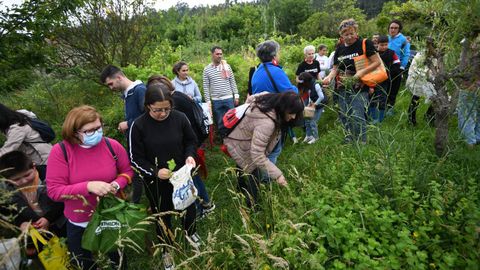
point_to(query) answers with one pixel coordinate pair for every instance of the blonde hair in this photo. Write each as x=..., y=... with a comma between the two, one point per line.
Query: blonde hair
x=76, y=119
x=348, y=24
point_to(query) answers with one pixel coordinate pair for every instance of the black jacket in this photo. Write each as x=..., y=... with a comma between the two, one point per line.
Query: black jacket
x=153, y=143
x=53, y=211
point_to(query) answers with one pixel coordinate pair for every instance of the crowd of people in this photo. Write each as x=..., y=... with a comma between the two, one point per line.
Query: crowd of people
x=161, y=123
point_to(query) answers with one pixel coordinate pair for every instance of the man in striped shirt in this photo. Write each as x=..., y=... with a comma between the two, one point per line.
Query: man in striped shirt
x=219, y=87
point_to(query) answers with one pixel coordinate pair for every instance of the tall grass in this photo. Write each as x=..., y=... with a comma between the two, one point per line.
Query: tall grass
x=390, y=204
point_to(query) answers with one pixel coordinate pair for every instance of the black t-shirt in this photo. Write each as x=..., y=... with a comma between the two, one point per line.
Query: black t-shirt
x=153, y=143
x=391, y=62
x=313, y=68
x=344, y=55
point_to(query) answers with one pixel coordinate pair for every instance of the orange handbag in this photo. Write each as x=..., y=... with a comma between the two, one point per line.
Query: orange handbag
x=375, y=77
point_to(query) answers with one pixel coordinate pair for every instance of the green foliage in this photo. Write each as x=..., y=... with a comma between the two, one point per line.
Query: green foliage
x=287, y=15
x=24, y=34
x=326, y=21
x=106, y=31
x=52, y=98
x=391, y=204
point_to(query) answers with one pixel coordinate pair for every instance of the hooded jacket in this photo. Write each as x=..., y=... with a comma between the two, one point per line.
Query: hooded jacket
x=253, y=139
x=188, y=87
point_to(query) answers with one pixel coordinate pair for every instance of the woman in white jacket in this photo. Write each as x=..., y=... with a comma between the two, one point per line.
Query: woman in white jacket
x=184, y=83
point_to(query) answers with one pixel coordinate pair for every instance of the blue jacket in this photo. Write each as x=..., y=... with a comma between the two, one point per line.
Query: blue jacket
x=134, y=103
x=401, y=46
x=262, y=83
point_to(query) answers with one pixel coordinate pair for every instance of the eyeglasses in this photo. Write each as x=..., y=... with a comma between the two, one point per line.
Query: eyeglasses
x=92, y=131
x=157, y=110
x=394, y=27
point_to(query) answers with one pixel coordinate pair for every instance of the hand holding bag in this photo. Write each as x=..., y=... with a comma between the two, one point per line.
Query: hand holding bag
x=54, y=254
x=308, y=112
x=184, y=191
x=375, y=77
x=114, y=221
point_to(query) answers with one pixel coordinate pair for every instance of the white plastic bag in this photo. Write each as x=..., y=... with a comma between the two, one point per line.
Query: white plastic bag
x=207, y=113
x=184, y=191
x=9, y=254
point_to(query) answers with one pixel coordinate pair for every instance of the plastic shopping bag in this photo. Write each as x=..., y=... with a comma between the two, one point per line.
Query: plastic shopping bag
x=207, y=113
x=114, y=221
x=184, y=191
x=54, y=254
x=9, y=254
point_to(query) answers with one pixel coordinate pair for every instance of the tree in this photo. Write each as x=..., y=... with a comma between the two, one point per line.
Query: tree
x=326, y=22
x=106, y=31
x=287, y=15
x=24, y=34
x=447, y=24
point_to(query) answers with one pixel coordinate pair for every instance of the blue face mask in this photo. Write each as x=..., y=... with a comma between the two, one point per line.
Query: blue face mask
x=94, y=139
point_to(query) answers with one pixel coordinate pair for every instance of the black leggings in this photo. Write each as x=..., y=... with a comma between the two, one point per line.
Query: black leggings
x=249, y=186
x=394, y=87
x=412, y=111
x=159, y=194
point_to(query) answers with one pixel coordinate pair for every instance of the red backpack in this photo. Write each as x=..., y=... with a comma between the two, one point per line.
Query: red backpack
x=233, y=117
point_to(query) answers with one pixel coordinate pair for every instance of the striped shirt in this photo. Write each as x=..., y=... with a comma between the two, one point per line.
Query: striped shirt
x=215, y=86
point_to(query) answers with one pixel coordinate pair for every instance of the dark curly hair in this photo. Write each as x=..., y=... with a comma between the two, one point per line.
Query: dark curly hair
x=9, y=117
x=282, y=103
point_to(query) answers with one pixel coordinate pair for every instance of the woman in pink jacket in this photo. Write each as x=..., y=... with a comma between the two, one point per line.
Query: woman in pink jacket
x=81, y=168
x=257, y=134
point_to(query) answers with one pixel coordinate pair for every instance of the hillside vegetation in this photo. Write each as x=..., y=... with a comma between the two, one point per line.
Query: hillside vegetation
x=389, y=204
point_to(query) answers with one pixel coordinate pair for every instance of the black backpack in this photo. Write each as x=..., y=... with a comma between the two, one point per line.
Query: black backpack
x=43, y=128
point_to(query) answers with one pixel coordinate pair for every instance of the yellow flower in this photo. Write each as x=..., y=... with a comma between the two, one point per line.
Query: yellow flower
x=416, y=234
x=268, y=226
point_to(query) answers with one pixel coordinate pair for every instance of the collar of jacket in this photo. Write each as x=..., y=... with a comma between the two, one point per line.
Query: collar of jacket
x=186, y=82
x=130, y=92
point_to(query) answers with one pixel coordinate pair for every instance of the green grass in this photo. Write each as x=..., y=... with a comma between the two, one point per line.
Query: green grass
x=391, y=204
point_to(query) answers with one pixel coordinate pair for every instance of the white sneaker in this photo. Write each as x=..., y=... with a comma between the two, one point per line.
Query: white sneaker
x=168, y=262
x=195, y=240
x=295, y=140
x=312, y=141
x=307, y=139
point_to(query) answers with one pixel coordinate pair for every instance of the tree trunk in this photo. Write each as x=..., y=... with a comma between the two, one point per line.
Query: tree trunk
x=441, y=106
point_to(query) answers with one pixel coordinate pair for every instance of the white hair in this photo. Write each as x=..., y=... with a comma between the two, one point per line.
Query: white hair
x=308, y=48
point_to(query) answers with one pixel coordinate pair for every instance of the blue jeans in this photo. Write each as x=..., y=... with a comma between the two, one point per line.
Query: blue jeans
x=291, y=133
x=220, y=107
x=202, y=193
x=311, y=125
x=469, y=115
x=273, y=156
x=277, y=150
x=352, y=107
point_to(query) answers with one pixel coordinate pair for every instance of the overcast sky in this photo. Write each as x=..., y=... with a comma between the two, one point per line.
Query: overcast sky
x=159, y=4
